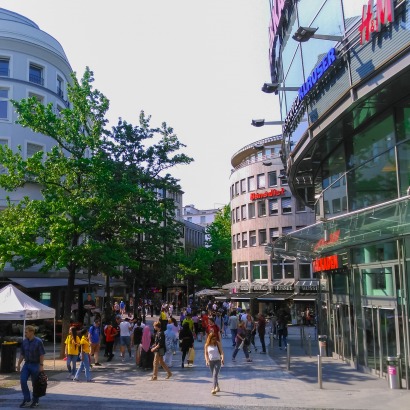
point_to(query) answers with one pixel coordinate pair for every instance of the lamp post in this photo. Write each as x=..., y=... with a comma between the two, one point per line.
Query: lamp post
x=304, y=34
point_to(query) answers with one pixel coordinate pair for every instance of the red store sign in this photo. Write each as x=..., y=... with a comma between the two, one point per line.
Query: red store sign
x=266, y=194
x=372, y=20
x=326, y=263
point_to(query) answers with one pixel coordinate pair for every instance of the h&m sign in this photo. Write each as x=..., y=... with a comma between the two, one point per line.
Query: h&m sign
x=373, y=19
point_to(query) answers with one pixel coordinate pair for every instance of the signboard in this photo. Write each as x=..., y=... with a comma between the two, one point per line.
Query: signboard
x=326, y=263
x=266, y=194
x=373, y=19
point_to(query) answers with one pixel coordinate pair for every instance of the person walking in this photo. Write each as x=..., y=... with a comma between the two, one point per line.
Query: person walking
x=233, y=326
x=72, y=344
x=110, y=332
x=186, y=341
x=261, y=331
x=250, y=327
x=125, y=337
x=159, y=351
x=170, y=338
x=147, y=357
x=136, y=339
x=241, y=337
x=85, y=348
x=214, y=358
x=32, y=352
x=282, y=329
x=94, y=334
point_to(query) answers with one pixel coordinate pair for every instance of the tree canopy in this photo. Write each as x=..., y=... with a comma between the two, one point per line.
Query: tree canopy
x=105, y=203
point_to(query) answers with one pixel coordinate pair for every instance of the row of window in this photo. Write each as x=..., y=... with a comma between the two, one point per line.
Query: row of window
x=263, y=207
x=261, y=181
x=35, y=76
x=259, y=237
x=256, y=270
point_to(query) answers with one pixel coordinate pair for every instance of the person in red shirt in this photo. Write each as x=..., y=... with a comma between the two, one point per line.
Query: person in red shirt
x=213, y=328
x=110, y=332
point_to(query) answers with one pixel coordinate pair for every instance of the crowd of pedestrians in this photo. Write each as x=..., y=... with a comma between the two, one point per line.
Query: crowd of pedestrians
x=152, y=348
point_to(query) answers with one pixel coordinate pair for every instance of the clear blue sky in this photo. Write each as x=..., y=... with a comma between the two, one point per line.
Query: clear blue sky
x=198, y=65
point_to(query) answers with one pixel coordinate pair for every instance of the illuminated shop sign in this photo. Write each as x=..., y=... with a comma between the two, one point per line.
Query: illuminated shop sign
x=373, y=19
x=266, y=194
x=333, y=238
x=326, y=263
x=297, y=108
x=317, y=73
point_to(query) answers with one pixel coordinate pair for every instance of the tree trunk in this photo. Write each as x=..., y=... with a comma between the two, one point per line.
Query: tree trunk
x=67, y=309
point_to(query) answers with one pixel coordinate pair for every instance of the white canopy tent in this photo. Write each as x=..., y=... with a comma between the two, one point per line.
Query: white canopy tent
x=16, y=305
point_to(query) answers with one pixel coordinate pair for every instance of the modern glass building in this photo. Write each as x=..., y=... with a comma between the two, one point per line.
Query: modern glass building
x=346, y=151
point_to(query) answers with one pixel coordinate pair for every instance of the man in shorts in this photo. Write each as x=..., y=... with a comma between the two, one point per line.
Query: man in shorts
x=94, y=337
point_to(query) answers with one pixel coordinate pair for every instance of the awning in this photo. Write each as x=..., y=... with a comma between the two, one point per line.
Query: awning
x=29, y=283
x=305, y=298
x=376, y=223
x=242, y=285
x=307, y=282
x=275, y=296
x=244, y=296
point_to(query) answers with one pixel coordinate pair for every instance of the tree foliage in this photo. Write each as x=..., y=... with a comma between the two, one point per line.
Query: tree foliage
x=100, y=208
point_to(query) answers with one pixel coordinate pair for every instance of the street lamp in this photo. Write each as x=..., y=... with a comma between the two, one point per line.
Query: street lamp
x=262, y=122
x=304, y=34
x=270, y=88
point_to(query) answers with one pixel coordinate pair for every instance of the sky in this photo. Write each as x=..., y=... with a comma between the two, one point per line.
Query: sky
x=197, y=65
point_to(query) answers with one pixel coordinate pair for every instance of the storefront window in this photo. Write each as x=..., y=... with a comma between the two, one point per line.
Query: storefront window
x=372, y=179
x=289, y=270
x=378, y=282
x=259, y=270
x=277, y=270
x=339, y=283
x=304, y=271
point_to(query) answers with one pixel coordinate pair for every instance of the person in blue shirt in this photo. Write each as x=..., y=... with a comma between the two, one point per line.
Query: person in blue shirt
x=94, y=336
x=32, y=352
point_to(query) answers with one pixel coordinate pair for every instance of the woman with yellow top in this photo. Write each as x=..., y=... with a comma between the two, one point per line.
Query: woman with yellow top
x=85, y=357
x=72, y=343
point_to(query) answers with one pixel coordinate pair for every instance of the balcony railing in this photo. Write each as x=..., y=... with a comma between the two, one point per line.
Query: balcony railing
x=37, y=79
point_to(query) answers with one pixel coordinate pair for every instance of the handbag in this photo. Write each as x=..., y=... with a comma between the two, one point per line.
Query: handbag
x=191, y=355
x=40, y=385
x=161, y=351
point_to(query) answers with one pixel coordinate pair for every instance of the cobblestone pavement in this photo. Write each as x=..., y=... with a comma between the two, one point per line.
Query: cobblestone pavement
x=263, y=384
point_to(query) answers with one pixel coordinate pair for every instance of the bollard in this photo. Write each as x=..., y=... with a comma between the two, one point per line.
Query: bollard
x=319, y=370
x=310, y=345
x=288, y=356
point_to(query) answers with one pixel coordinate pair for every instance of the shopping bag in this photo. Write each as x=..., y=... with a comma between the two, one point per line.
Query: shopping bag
x=241, y=345
x=191, y=355
x=40, y=385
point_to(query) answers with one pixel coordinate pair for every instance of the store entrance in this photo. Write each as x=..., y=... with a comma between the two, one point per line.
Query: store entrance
x=380, y=337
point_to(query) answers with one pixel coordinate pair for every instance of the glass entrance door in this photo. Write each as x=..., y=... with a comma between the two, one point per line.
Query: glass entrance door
x=380, y=336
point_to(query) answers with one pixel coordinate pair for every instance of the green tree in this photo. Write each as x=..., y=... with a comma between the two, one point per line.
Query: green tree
x=90, y=202
x=220, y=246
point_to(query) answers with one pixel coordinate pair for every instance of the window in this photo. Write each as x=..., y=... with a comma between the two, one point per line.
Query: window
x=243, y=186
x=238, y=241
x=251, y=184
x=261, y=208
x=32, y=148
x=244, y=239
x=58, y=110
x=304, y=271
x=286, y=230
x=4, y=103
x=336, y=205
x=236, y=188
x=286, y=205
x=234, y=271
x=243, y=211
x=277, y=270
x=232, y=191
x=39, y=98
x=274, y=234
x=300, y=205
x=261, y=181
x=273, y=206
x=289, y=269
x=283, y=177
x=189, y=219
x=60, y=87
x=238, y=217
x=272, y=179
x=36, y=74
x=233, y=216
x=259, y=270
x=251, y=210
x=4, y=67
x=243, y=271
x=233, y=241
x=252, y=238
x=262, y=237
